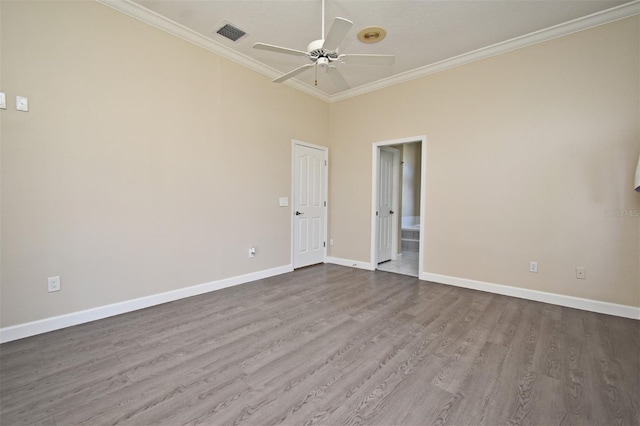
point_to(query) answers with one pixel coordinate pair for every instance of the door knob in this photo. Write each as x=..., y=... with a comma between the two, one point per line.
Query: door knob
x=298, y=213
x=390, y=211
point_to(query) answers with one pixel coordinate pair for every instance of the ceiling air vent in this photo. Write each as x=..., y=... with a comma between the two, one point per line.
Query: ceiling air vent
x=231, y=32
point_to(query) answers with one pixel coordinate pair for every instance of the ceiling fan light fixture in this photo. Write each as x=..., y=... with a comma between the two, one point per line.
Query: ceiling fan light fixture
x=372, y=34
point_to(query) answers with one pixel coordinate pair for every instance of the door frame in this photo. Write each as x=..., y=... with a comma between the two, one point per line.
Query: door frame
x=325, y=189
x=395, y=200
x=375, y=154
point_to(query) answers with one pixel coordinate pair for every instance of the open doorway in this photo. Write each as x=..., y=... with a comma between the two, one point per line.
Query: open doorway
x=397, y=208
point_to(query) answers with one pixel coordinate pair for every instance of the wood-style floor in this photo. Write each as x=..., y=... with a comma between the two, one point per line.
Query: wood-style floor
x=331, y=345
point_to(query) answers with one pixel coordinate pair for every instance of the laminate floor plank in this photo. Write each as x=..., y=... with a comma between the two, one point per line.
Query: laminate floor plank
x=544, y=405
x=479, y=389
x=461, y=361
x=349, y=367
x=269, y=384
x=573, y=377
x=547, y=352
x=386, y=392
x=185, y=402
x=249, y=329
x=92, y=380
x=363, y=374
x=454, y=337
x=328, y=345
x=603, y=360
x=510, y=401
x=410, y=355
x=505, y=329
x=631, y=386
x=417, y=404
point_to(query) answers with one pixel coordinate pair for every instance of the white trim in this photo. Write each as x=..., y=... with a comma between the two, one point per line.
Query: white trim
x=165, y=24
x=350, y=263
x=33, y=328
x=20, y=331
x=422, y=139
x=422, y=254
x=295, y=142
x=599, y=18
x=625, y=311
x=375, y=160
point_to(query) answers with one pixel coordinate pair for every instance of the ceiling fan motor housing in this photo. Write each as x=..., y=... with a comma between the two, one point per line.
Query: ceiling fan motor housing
x=316, y=51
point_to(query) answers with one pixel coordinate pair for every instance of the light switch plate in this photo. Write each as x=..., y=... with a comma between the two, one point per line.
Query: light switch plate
x=22, y=103
x=3, y=101
x=284, y=201
x=53, y=284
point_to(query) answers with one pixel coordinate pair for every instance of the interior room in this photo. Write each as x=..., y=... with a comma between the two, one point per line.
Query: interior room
x=406, y=261
x=192, y=227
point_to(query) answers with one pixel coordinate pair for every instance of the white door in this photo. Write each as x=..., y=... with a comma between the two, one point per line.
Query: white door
x=385, y=213
x=309, y=203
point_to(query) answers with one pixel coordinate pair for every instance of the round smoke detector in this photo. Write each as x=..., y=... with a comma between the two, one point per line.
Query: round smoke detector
x=372, y=34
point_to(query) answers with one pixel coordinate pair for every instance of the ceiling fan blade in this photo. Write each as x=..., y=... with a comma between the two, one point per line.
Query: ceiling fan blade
x=337, y=33
x=337, y=79
x=279, y=49
x=368, y=59
x=292, y=73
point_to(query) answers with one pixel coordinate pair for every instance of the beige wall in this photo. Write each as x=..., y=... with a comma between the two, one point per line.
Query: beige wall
x=526, y=153
x=145, y=164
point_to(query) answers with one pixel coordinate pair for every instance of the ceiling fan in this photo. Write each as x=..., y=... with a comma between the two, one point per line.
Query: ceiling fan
x=324, y=53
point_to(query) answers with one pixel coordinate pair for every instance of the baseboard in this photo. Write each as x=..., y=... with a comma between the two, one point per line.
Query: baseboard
x=539, y=296
x=350, y=263
x=20, y=331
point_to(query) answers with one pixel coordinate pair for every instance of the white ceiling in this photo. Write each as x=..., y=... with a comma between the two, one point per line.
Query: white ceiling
x=419, y=33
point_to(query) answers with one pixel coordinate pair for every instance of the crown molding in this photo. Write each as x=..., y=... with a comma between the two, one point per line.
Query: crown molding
x=151, y=18
x=600, y=18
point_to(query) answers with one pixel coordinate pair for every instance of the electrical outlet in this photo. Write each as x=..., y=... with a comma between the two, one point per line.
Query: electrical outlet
x=53, y=284
x=252, y=252
x=22, y=103
x=3, y=101
x=581, y=274
x=533, y=266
